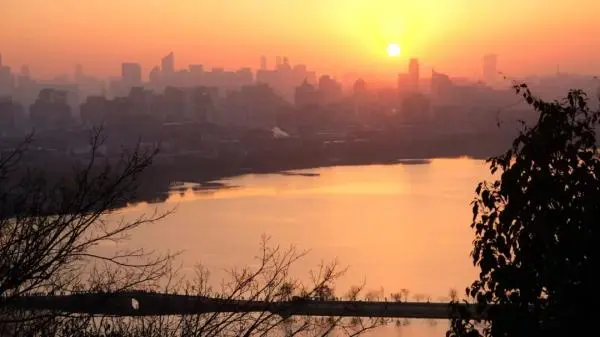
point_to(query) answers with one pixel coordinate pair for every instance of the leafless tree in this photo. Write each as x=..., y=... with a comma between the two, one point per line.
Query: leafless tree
x=261, y=283
x=405, y=292
x=50, y=227
x=374, y=295
x=50, y=224
x=396, y=297
x=453, y=294
x=418, y=297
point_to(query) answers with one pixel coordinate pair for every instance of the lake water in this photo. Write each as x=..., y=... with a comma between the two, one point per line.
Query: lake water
x=395, y=226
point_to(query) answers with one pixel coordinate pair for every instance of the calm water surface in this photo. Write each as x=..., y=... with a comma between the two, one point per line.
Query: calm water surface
x=395, y=226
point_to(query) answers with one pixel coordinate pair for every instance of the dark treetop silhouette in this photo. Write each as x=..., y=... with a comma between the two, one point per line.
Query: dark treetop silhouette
x=536, y=227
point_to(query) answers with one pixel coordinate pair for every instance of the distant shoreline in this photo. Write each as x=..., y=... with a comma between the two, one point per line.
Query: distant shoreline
x=169, y=170
x=292, y=171
x=217, y=182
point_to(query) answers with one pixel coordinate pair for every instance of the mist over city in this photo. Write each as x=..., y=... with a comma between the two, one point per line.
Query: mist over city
x=272, y=168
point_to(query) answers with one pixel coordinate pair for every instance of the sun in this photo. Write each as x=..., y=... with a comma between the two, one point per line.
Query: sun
x=393, y=50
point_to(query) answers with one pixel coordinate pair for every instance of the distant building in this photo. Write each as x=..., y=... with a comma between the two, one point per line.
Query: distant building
x=360, y=87
x=69, y=92
x=441, y=84
x=7, y=81
x=94, y=111
x=8, y=114
x=25, y=71
x=285, y=66
x=263, y=63
x=200, y=104
x=196, y=74
x=330, y=90
x=154, y=76
x=409, y=82
x=402, y=82
x=174, y=107
x=306, y=95
x=360, y=99
x=131, y=74
x=243, y=77
x=285, y=78
x=254, y=106
x=167, y=64
x=196, y=68
x=413, y=74
x=416, y=108
x=51, y=110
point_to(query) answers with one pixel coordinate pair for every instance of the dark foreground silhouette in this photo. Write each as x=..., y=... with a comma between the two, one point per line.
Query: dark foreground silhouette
x=154, y=304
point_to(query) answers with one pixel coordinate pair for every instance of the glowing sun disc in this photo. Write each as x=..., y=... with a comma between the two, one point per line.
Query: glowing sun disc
x=393, y=50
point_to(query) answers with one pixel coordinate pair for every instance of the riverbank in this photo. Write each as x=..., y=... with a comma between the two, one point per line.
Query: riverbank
x=283, y=157
x=161, y=178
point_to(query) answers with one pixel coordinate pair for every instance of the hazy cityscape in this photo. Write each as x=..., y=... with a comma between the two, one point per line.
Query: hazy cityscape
x=203, y=111
x=298, y=168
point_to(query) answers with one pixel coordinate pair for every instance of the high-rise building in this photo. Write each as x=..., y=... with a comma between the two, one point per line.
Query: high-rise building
x=490, y=68
x=413, y=74
x=167, y=63
x=329, y=89
x=277, y=62
x=285, y=65
x=263, y=63
x=25, y=70
x=306, y=95
x=441, y=84
x=196, y=68
x=359, y=87
x=131, y=74
x=6, y=80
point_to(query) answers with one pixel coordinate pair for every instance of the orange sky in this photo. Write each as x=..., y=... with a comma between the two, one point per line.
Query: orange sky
x=335, y=36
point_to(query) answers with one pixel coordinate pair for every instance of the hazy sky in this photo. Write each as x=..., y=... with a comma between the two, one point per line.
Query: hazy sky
x=337, y=36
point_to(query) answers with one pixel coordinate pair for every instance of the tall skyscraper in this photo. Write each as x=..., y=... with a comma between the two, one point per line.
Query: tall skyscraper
x=286, y=64
x=131, y=74
x=413, y=74
x=440, y=84
x=167, y=63
x=154, y=76
x=263, y=63
x=490, y=68
x=6, y=79
x=277, y=62
x=25, y=70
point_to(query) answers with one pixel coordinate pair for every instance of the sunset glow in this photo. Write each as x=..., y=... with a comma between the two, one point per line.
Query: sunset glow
x=299, y=167
x=393, y=50
x=52, y=36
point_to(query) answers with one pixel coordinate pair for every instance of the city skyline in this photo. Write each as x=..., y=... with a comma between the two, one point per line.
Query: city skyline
x=135, y=73
x=489, y=65
x=333, y=39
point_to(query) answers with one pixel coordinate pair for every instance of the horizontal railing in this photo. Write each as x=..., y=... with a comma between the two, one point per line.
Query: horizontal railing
x=153, y=304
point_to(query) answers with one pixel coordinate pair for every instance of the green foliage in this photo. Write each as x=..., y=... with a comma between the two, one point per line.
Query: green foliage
x=536, y=227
